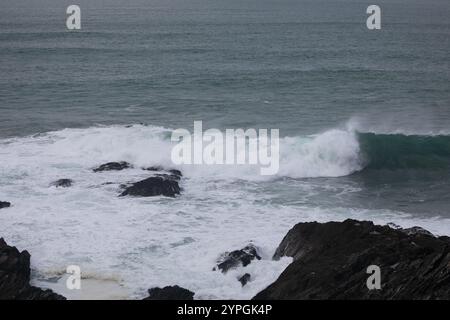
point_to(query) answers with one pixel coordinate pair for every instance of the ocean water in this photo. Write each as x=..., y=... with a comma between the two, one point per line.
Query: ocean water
x=364, y=120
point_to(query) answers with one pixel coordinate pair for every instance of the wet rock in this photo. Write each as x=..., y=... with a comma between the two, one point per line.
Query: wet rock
x=154, y=168
x=244, y=279
x=176, y=172
x=416, y=230
x=331, y=261
x=153, y=186
x=393, y=225
x=15, y=277
x=116, y=166
x=410, y=231
x=168, y=176
x=170, y=293
x=63, y=183
x=4, y=204
x=244, y=256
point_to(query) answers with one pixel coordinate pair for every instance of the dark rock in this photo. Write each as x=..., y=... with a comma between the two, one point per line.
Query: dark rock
x=410, y=231
x=393, y=225
x=173, y=172
x=244, y=279
x=113, y=166
x=168, y=176
x=153, y=186
x=15, y=277
x=331, y=260
x=230, y=260
x=4, y=204
x=416, y=230
x=154, y=168
x=64, y=183
x=170, y=293
x=176, y=172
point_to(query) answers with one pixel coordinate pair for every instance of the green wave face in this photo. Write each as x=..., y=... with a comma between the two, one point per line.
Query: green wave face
x=397, y=151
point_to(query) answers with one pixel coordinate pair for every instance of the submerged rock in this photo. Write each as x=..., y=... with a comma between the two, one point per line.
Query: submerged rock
x=331, y=261
x=154, y=168
x=15, y=277
x=170, y=293
x=153, y=186
x=176, y=172
x=244, y=279
x=64, y=183
x=110, y=166
x=5, y=204
x=230, y=260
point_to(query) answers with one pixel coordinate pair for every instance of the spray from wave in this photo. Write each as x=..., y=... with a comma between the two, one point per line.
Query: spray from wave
x=333, y=153
x=336, y=153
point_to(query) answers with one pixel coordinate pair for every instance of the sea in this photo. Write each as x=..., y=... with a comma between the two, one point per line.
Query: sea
x=363, y=116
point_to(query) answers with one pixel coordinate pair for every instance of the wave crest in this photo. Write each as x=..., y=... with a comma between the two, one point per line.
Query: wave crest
x=333, y=153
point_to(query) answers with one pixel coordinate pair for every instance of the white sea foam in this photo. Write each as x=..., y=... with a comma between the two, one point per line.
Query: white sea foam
x=140, y=243
x=331, y=154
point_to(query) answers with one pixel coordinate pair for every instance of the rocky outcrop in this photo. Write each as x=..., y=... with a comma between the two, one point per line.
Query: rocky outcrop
x=331, y=261
x=15, y=277
x=153, y=186
x=113, y=166
x=4, y=204
x=233, y=259
x=63, y=183
x=170, y=293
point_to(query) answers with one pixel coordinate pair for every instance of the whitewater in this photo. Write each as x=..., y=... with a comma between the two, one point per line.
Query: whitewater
x=140, y=243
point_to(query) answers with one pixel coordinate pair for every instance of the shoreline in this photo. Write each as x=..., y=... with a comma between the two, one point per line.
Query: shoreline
x=354, y=246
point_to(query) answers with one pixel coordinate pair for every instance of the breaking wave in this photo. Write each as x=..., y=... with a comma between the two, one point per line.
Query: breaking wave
x=333, y=153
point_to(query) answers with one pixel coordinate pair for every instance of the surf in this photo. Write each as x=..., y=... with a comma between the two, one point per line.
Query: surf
x=332, y=153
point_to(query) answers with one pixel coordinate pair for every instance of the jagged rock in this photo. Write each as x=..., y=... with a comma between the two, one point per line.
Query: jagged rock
x=64, y=183
x=230, y=260
x=153, y=186
x=170, y=293
x=4, y=204
x=393, y=225
x=15, y=277
x=331, y=261
x=416, y=230
x=244, y=279
x=113, y=166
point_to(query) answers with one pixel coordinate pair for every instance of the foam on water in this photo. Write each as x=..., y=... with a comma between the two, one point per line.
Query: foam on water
x=140, y=243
